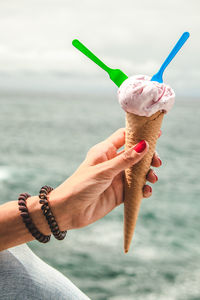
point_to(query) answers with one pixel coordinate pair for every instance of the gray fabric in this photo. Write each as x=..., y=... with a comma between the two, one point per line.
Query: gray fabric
x=23, y=275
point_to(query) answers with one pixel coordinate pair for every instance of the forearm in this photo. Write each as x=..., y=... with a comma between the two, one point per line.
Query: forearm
x=13, y=231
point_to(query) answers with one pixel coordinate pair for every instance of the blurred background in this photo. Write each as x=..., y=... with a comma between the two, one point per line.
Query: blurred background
x=55, y=104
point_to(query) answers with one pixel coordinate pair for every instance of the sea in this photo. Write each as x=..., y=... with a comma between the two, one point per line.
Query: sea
x=44, y=136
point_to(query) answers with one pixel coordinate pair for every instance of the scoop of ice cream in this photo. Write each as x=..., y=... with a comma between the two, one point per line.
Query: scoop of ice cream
x=143, y=97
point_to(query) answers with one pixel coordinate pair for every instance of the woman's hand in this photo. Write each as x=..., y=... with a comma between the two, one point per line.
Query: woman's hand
x=97, y=185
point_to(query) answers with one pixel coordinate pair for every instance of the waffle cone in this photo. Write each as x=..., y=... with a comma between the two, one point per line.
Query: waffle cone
x=138, y=128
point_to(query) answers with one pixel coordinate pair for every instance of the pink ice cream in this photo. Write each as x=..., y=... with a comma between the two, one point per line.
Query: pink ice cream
x=143, y=97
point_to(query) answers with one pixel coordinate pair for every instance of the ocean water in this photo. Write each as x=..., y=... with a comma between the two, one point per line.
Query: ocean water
x=45, y=137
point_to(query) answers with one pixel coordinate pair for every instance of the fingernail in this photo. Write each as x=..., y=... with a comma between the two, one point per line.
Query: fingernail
x=160, y=161
x=156, y=177
x=150, y=189
x=140, y=146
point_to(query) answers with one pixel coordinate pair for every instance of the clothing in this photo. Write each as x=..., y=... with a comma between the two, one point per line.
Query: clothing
x=24, y=276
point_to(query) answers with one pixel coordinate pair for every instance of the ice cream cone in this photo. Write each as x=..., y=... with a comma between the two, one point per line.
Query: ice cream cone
x=138, y=128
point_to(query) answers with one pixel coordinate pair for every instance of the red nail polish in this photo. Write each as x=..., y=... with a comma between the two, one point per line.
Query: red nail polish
x=150, y=188
x=160, y=161
x=140, y=146
x=156, y=177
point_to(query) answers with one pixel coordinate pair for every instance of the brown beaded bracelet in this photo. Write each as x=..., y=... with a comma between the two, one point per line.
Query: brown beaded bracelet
x=28, y=221
x=45, y=190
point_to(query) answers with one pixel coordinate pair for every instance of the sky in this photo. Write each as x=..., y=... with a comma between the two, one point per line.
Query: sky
x=135, y=36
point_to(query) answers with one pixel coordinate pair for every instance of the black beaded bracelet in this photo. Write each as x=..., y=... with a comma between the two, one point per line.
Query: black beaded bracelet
x=28, y=221
x=45, y=190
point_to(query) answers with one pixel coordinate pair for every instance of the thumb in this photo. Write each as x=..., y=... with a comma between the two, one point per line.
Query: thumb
x=128, y=158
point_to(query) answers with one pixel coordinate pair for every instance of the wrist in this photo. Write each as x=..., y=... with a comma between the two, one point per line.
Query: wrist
x=35, y=212
x=59, y=201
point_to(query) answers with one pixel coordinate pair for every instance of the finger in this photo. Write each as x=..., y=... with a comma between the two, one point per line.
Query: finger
x=151, y=176
x=117, y=138
x=118, y=185
x=156, y=161
x=119, y=153
x=126, y=159
x=106, y=149
x=147, y=191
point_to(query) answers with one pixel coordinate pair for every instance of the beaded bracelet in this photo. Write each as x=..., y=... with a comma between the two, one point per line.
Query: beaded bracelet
x=45, y=190
x=28, y=221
